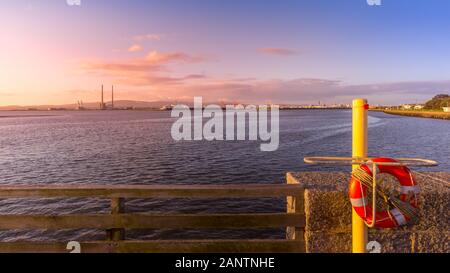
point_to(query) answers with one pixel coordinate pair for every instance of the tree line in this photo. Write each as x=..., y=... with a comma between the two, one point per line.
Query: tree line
x=439, y=101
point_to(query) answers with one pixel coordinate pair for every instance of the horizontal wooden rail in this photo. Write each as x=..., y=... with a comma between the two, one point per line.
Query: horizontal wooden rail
x=147, y=221
x=153, y=191
x=117, y=222
x=161, y=246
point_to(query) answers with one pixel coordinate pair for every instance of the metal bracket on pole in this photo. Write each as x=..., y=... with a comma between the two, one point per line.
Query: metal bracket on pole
x=344, y=161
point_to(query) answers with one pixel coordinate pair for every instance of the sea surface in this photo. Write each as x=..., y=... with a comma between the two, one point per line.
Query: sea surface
x=136, y=147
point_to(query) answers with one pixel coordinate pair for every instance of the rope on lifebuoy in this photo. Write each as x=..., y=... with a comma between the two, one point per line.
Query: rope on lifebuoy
x=402, y=209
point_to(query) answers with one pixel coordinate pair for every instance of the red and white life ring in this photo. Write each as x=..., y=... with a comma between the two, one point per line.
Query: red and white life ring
x=409, y=192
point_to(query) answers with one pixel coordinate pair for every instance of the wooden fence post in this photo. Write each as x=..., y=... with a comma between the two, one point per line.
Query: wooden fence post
x=117, y=207
x=295, y=204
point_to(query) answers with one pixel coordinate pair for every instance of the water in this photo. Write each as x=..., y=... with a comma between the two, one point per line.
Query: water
x=135, y=147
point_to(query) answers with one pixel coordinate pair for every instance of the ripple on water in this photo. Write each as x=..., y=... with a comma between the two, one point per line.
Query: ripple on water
x=134, y=147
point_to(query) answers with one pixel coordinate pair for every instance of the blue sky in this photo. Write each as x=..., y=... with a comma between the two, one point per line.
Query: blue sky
x=248, y=50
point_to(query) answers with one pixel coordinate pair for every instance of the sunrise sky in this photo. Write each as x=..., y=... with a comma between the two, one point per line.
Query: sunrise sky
x=234, y=50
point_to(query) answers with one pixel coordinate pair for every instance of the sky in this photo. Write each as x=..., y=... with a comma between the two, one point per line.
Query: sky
x=249, y=51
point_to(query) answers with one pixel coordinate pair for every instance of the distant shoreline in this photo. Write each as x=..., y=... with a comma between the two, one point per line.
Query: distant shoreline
x=419, y=114
x=150, y=109
x=27, y=116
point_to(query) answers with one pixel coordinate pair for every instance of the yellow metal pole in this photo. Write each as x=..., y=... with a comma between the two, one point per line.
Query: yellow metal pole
x=359, y=149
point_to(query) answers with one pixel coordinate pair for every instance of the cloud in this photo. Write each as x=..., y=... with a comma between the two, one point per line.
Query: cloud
x=6, y=94
x=150, y=70
x=277, y=51
x=152, y=62
x=135, y=48
x=304, y=91
x=147, y=37
x=155, y=72
x=119, y=67
x=157, y=57
x=79, y=91
x=158, y=81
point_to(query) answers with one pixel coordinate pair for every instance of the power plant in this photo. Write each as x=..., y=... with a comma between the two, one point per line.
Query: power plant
x=103, y=104
x=112, y=97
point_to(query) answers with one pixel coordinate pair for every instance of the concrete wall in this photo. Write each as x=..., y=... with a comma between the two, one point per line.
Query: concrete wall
x=328, y=215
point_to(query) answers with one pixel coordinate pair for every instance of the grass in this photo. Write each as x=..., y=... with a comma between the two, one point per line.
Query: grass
x=437, y=114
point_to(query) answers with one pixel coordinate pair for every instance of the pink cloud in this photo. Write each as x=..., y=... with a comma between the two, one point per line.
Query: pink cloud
x=6, y=94
x=150, y=70
x=301, y=90
x=144, y=80
x=155, y=74
x=153, y=61
x=120, y=67
x=157, y=57
x=135, y=48
x=147, y=37
x=277, y=51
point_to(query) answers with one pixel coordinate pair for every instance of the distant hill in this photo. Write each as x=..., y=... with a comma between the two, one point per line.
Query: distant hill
x=95, y=105
x=438, y=102
x=119, y=104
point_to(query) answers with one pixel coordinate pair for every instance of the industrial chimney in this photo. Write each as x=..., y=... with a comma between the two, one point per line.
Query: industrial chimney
x=102, y=104
x=112, y=98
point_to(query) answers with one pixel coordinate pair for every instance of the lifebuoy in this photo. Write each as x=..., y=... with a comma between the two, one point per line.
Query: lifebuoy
x=409, y=192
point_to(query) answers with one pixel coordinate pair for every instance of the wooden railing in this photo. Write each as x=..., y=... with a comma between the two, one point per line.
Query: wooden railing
x=117, y=222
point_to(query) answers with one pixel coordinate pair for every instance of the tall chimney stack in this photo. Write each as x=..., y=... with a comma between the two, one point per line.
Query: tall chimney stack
x=112, y=97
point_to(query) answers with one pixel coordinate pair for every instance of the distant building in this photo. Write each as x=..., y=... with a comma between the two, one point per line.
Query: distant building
x=446, y=109
x=167, y=107
x=418, y=107
x=407, y=106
